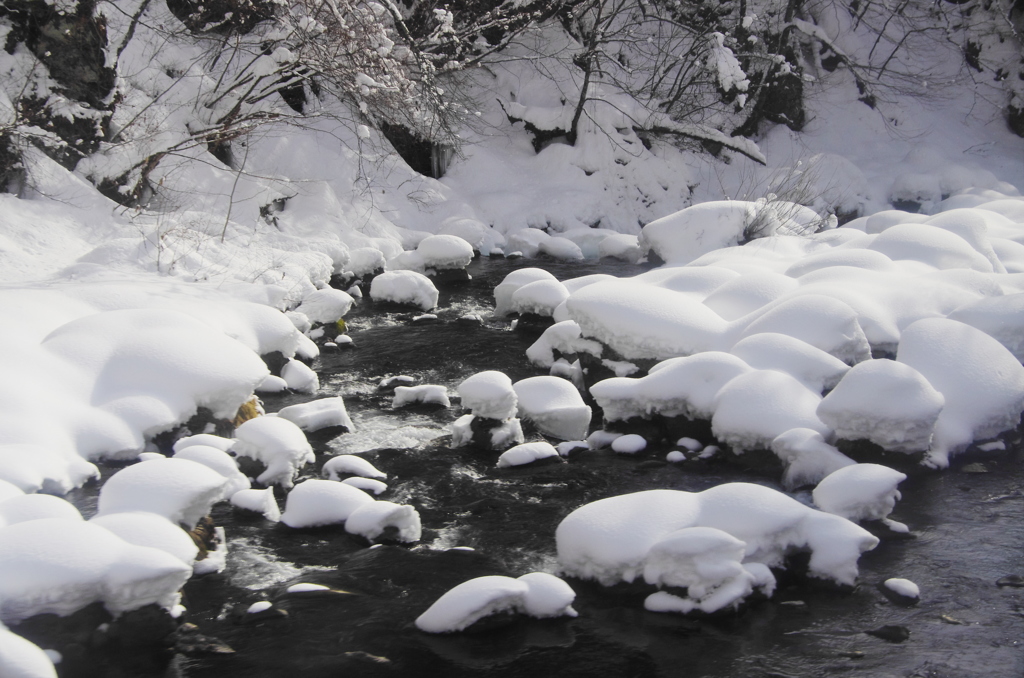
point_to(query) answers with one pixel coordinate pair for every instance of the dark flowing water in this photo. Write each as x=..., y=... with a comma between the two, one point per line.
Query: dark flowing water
x=967, y=524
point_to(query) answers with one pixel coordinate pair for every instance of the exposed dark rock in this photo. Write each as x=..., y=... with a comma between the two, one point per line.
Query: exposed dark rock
x=224, y=17
x=891, y=633
x=1013, y=580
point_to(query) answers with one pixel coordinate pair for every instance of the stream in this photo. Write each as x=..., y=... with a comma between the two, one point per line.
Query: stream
x=967, y=533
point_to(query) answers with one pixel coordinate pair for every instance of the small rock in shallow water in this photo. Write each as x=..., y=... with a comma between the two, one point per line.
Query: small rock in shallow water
x=1014, y=580
x=891, y=633
x=853, y=654
x=974, y=468
x=952, y=620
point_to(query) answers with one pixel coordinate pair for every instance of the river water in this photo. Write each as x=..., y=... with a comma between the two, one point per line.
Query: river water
x=967, y=533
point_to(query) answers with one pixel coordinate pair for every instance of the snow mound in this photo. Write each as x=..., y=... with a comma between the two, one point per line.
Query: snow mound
x=318, y=414
x=756, y=407
x=610, y=540
x=564, y=337
x=887, y=402
x=859, y=492
x=177, y=489
x=61, y=566
x=814, y=368
x=527, y=453
x=532, y=242
x=537, y=594
x=276, y=442
x=554, y=406
x=219, y=461
x=298, y=376
x=21, y=658
x=152, y=530
x=373, y=519
x=513, y=281
x=325, y=306
x=260, y=501
x=350, y=464
x=678, y=386
x=681, y=237
x=708, y=563
x=490, y=395
x=322, y=502
x=540, y=297
x=807, y=457
x=442, y=252
x=206, y=439
x=404, y=287
x=981, y=381
x=26, y=507
x=903, y=587
x=34, y=468
x=427, y=394
x=366, y=484
x=630, y=443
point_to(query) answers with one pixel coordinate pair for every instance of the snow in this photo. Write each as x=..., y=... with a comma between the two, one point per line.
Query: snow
x=25, y=507
x=537, y=594
x=758, y=406
x=259, y=606
x=404, y=287
x=540, y=297
x=366, y=484
x=610, y=540
x=353, y=465
x=903, y=587
x=312, y=503
x=708, y=563
x=298, y=376
x=318, y=414
x=981, y=381
x=554, y=406
x=489, y=394
x=177, y=489
x=219, y=461
x=21, y=658
x=427, y=394
x=510, y=285
x=442, y=252
x=276, y=442
x=527, y=453
x=260, y=501
x=60, y=566
x=306, y=588
x=630, y=443
x=371, y=520
x=33, y=468
x=149, y=529
x=814, y=368
x=859, y=492
x=886, y=402
x=807, y=457
x=325, y=306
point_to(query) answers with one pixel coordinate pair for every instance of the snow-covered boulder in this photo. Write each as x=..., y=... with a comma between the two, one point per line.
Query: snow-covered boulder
x=219, y=461
x=371, y=520
x=708, y=563
x=350, y=464
x=981, y=381
x=404, y=287
x=678, y=386
x=21, y=658
x=859, y=492
x=61, y=566
x=554, y=406
x=325, y=306
x=806, y=457
x=426, y=394
x=609, y=540
x=513, y=281
x=299, y=376
x=443, y=252
x=276, y=442
x=177, y=489
x=564, y=337
x=489, y=394
x=756, y=407
x=149, y=529
x=540, y=297
x=25, y=507
x=260, y=501
x=811, y=366
x=886, y=402
x=536, y=594
x=34, y=468
x=312, y=503
x=318, y=414
x=527, y=453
